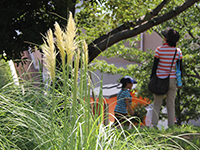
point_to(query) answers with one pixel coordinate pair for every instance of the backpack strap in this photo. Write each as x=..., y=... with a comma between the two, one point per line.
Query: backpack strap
x=173, y=61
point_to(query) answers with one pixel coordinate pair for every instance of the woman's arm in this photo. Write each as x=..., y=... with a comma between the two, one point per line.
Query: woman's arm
x=155, y=66
x=129, y=106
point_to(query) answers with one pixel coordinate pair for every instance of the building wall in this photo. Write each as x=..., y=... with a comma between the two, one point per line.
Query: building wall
x=30, y=70
x=151, y=41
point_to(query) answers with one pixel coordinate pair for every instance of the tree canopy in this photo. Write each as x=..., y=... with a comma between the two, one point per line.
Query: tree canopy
x=105, y=22
x=122, y=20
x=25, y=20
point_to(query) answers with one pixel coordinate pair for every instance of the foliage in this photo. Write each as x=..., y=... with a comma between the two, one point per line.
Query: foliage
x=5, y=73
x=139, y=112
x=24, y=21
x=122, y=25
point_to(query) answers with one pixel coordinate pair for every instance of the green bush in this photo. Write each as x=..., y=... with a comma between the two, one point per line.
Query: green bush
x=5, y=73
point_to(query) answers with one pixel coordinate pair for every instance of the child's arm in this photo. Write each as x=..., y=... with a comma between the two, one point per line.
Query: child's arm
x=129, y=107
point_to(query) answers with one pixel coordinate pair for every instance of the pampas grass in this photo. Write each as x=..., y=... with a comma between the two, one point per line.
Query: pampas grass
x=66, y=40
x=70, y=43
x=60, y=41
x=48, y=49
x=85, y=49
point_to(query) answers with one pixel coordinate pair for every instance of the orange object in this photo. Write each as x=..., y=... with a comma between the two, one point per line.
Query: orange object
x=111, y=103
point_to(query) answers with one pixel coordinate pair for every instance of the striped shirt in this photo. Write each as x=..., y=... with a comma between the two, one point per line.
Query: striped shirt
x=165, y=54
x=121, y=105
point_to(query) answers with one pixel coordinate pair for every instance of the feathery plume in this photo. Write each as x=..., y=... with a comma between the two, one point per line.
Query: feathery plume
x=70, y=39
x=59, y=41
x=49, y=54
x=85, y=49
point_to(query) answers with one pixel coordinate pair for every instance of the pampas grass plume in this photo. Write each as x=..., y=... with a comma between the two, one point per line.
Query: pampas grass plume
x=70, y=39
x=59, y=41
x=85, y=49
x=48, y=49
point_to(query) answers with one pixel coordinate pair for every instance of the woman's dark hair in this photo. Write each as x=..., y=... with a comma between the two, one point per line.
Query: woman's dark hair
x=124, y=82
x=171, y=36
x=171, y=43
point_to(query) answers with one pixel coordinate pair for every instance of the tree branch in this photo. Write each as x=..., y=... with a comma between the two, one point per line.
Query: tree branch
x=189, y=32
x=139, y=21
x=152, y=13
x=192, y=36
x=106, y=41
x=191, y=75
x=197, y=74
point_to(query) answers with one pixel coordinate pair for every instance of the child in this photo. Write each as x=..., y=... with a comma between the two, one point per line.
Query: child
x=124, y=100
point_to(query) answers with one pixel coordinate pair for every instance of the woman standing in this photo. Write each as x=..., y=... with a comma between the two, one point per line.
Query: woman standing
x=124, y=101
x=162, y=63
